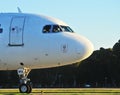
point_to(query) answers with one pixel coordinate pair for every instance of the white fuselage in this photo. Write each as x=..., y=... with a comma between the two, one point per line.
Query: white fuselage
x=23, y=43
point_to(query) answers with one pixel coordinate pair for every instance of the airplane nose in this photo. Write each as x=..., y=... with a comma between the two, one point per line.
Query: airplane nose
x=84, y=48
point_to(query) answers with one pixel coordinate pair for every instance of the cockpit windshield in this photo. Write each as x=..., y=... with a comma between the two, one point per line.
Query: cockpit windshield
x=66, y=29
x=56, y=29
x=47, y=29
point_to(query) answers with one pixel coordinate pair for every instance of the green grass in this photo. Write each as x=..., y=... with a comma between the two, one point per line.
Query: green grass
x=62, y=94
x=64, y=91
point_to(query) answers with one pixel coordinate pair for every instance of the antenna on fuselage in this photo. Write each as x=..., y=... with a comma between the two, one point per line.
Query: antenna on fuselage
x=19, y=10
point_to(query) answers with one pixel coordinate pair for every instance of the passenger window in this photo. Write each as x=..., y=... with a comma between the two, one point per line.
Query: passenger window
x=1, y=30
x=47, y=29
x=56, y=28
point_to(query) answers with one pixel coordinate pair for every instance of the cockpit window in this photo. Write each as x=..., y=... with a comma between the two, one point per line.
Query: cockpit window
x=47, y=29
x=56, y=29
x=66, y=29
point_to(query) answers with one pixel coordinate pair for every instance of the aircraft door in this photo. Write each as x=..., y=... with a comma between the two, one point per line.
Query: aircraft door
x=16, y=31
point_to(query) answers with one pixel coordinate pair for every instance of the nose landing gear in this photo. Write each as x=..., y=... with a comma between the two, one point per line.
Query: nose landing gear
x=25, y=85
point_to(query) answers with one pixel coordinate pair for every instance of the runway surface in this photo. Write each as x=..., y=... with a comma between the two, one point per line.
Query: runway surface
x=65, y=91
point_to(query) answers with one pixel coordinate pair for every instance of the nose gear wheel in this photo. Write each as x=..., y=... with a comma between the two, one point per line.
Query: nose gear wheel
x=25, y=85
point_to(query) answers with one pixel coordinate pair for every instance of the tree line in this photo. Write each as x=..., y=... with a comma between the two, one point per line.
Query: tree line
x=101, y=69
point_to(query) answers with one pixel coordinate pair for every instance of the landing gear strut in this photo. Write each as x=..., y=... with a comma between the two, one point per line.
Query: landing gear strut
x=25, y=85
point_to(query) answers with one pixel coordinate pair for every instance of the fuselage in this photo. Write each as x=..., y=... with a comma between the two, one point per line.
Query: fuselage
x=31, y=41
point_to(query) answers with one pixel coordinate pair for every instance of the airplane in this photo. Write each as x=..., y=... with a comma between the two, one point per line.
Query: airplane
x=31, y=41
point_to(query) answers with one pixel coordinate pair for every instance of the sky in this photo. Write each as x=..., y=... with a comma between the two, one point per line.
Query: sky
x=97, y=20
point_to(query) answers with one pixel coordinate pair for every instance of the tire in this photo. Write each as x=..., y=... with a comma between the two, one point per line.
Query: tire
x=24, y=88
x=30, y=88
